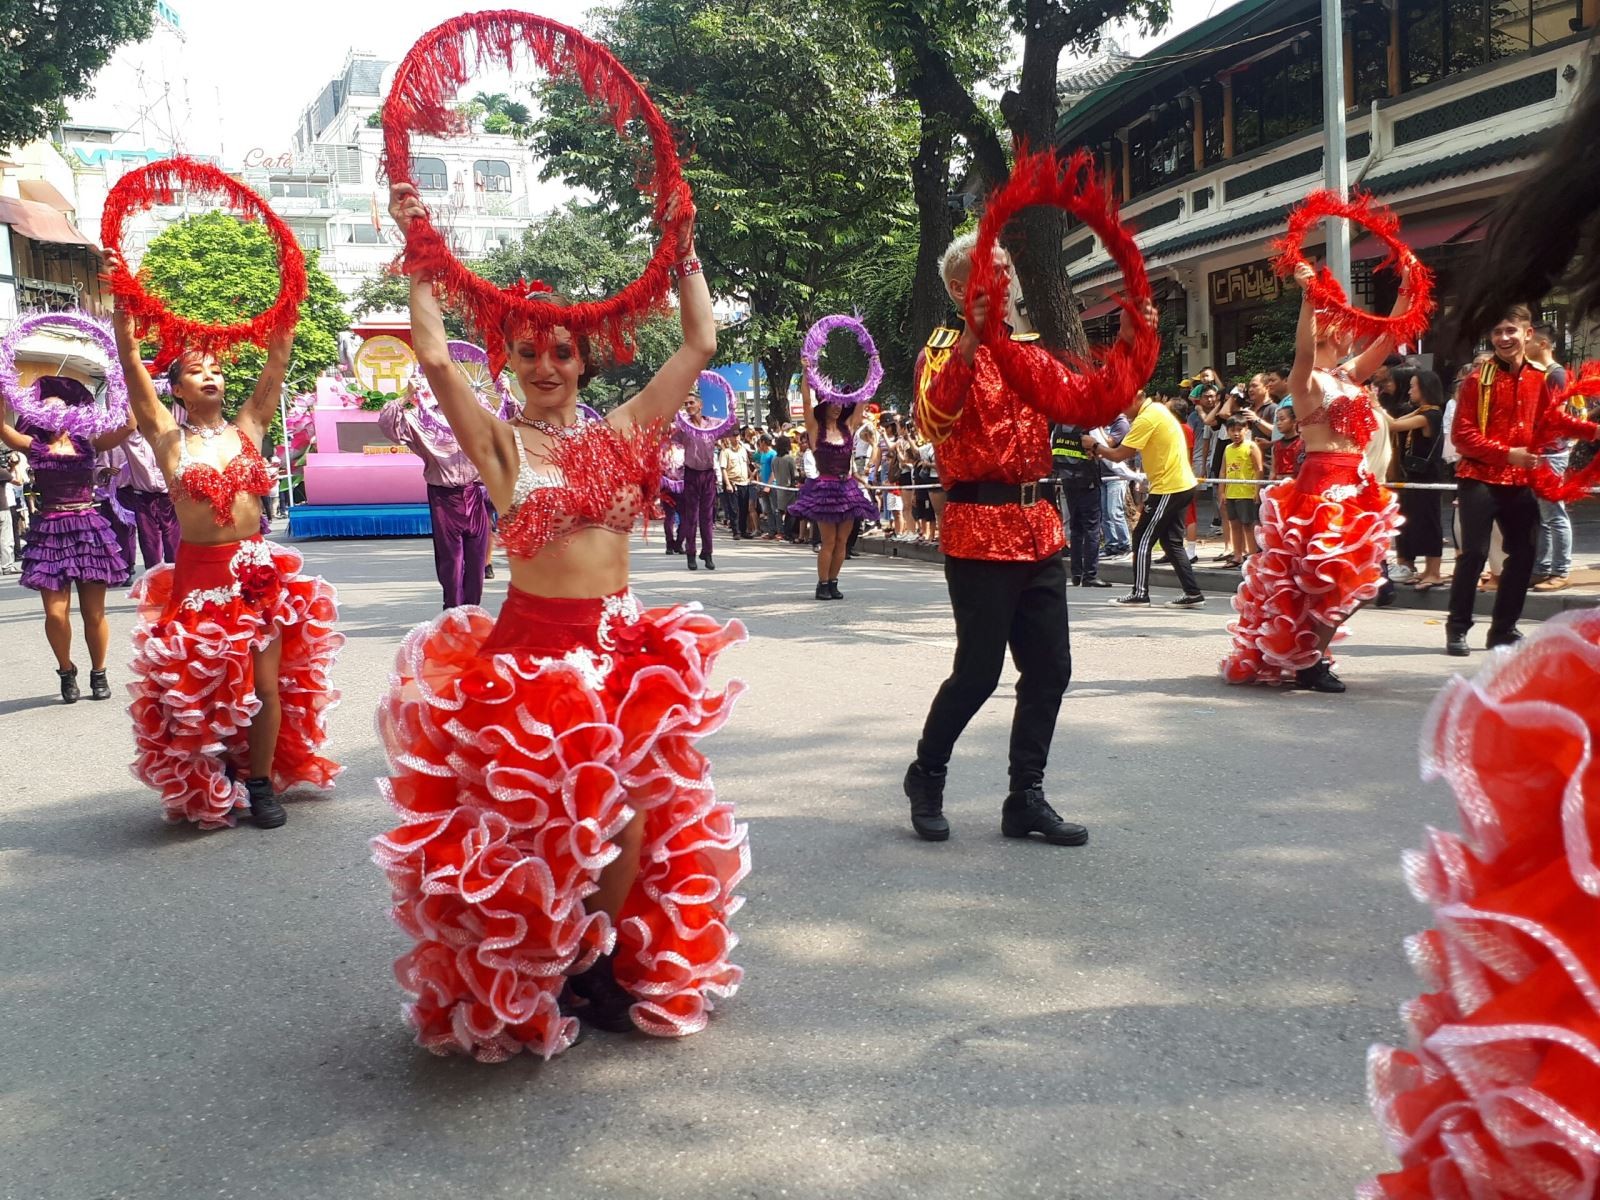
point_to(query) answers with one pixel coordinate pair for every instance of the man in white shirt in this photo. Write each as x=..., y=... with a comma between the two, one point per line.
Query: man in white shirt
x=10, y=497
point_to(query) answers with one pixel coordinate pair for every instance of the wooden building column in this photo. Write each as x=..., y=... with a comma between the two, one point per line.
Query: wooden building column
x=1127, y=165
x=1197, y=115
x=1227, y=116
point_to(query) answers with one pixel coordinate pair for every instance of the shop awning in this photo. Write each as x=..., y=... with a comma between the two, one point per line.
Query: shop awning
x=41, y=223
x=1095, y=311
x=1424, y=232
x=44, y=193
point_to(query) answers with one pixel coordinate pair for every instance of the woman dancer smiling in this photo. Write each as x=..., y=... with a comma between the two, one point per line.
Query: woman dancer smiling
x=558, y=826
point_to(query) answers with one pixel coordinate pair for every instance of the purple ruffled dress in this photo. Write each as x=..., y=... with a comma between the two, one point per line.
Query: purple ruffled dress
x=834, y=495
x=69, y=540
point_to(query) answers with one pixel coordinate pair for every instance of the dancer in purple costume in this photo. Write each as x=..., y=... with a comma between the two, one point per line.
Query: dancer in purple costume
x=835, y=498
x=672, y=496
x=699, y=442
x=142, y=491
x=458, y=504
x=70, y=542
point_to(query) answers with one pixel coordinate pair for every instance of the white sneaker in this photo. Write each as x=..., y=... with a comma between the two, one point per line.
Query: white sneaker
x=1400, y=574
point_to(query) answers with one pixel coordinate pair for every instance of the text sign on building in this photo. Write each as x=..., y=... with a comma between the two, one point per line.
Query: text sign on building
x=1248, y=285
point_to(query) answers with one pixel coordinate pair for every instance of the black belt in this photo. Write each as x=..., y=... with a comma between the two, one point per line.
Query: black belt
x=1025, y=494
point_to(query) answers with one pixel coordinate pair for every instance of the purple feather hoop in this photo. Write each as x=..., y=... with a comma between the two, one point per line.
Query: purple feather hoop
x=827, y=392
x=466, y=352
x=717, y=383
x=53, y=416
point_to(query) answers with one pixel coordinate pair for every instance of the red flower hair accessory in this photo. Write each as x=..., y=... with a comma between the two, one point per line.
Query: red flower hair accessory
x=1575, y=485
x=156, y=183
x=1335, y=313
x=421, y=100
x=1073, y=185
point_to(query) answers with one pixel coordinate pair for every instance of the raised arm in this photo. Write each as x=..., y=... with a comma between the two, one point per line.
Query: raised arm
x=807, y=408
x=255, y=415
x=115, y=437
x=676, y=378
x=1305, y=336
x=1065, y=397
x=1370, y=359
x=152, y=417
x=489, y=442
x=9, y=433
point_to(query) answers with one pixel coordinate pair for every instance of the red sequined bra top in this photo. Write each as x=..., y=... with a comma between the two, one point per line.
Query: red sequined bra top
x=595, y=478
x=201, y=482
x=1348, y=413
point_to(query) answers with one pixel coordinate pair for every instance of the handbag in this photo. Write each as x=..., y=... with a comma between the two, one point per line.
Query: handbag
x=1421, y=468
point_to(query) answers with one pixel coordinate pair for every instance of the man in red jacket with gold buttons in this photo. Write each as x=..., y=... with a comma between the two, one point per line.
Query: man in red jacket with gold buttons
x=1503, y=410
x=988, y=416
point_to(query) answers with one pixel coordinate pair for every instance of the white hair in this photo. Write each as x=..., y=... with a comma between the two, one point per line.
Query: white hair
x=958, y=255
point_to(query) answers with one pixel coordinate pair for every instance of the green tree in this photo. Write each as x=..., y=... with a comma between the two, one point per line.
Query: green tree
x=50, y=52
x=933, y=43
x=793, y=140
x=584, y=256
x=214, y=267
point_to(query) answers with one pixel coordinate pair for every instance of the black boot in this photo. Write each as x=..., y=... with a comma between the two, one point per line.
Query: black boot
x=265, y=811
x=99, y=688
x=706, y=558
x=689, y=559
x=608, y=1002
x=488, y=570
x=833, y=590
x=69, y=685
x=1027, y=812
x=822, y=591
x=925, y=790
x=1320, y=678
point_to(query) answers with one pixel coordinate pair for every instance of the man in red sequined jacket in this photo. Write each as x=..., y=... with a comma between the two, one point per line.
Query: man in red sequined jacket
x=988, y=412
x=1503, y=410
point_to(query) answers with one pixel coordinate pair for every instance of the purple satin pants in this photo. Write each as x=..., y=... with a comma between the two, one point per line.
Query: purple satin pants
x=695, y=509
x=155, y=523
x=460, y=517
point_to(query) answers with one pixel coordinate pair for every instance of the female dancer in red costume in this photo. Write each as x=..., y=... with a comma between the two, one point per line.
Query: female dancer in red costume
x=1498, y=1094
x=233, y=648
x=1325, y=533
x=558, y=826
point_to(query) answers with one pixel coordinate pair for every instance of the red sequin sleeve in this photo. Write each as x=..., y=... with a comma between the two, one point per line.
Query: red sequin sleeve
x=944, y=380
x=1470, y=440
x=1048, y=386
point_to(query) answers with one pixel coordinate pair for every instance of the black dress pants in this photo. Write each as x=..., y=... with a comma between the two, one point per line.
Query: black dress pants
x=1022, y=605
x=1083, y=529
x=1482, y=507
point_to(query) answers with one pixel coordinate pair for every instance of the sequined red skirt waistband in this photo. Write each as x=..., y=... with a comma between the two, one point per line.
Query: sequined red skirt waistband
x=550, y=626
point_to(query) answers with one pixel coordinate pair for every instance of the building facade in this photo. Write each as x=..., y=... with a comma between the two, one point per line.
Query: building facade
x=1216, y=135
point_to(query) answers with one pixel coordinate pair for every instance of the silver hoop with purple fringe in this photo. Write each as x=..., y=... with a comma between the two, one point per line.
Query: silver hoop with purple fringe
x=53, y=416
x=826, y=391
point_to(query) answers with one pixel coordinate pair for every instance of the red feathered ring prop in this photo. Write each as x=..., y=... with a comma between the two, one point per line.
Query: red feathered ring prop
x=1577, y=484
x=1115, y=373
x=1335, y=313
x=421, y=100
x=156, y=183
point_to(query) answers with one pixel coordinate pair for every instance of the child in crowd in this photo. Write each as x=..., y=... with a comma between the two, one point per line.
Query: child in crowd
x=1287, y=449
x=1241, y=500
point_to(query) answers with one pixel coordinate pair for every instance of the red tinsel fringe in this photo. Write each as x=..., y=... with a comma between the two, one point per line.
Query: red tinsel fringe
x=1109, y=374
x=421, y=100
x=1574, y=485
x=155, y=184
x=1335, y=314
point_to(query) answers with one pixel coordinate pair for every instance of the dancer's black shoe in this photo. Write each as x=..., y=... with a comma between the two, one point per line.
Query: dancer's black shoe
x=99, y=687
x=488, y=570
x=265, y=811
x=1027, y=812
x=690, y=562
x=925, y=790
x=822, y=591
x=833, y=590
x=1455, y=645
x=1320, y=678
x=710, y=566
x=1510, y=638
x=69, y=685
x=607, y=1001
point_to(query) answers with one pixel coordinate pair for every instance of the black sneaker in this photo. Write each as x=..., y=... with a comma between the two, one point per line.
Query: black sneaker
x=693, y=566
x=833, y=590
x=822, y=591
x=69, y=685
x=1498, y=641
x=606, y=1001
x=488, y=570
x=925, y=790
x=99, y=688
x=710, y=566
x=265, y=811
x=1132, y=601
x=1455, y=645
x=1027, y=812
x=1319, y=678
x=1187, y=602
x=1077, y=581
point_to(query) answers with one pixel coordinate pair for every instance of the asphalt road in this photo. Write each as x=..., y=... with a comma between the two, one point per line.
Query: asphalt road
x=1179, y=1010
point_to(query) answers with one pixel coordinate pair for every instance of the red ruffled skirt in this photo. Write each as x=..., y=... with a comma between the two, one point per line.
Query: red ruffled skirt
x=521, y=747
x=1499, y=1094
x=1324, y=537
x=194, y=676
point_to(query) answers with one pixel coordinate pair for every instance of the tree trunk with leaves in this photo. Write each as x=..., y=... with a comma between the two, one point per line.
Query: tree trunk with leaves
x=780, y=363
x=930, y=187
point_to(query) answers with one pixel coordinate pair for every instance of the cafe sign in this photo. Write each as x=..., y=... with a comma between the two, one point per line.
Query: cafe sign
x=1249, y=285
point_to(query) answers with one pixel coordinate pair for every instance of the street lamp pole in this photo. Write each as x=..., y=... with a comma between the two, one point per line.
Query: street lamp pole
x=1336, y=176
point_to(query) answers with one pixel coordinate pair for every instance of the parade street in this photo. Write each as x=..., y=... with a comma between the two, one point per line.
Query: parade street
x=1179, y=1010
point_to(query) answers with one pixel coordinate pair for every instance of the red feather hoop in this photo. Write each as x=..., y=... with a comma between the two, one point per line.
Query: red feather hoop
x=1335, y=313
x=1577, y=484
x=421, y=101
x=154, y=184
x=1073, y=185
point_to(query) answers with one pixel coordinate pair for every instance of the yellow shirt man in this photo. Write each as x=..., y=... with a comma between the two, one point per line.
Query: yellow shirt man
x=1159, y=439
